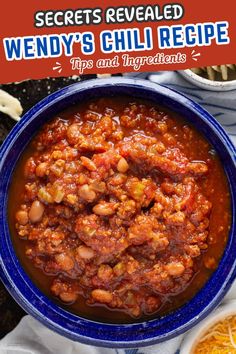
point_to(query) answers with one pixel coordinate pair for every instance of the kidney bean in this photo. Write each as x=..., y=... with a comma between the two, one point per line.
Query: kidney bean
x=175, y=268
x=104, y=209
x=36, y=211
x=85, y=252
x=64, y=261
x=22, y=217
x=101, y=295
x=89, y=164
x=68, y=296
x=86, y=193
x=122, y=165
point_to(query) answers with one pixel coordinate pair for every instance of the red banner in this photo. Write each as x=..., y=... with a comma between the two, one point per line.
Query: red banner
x=64, y=38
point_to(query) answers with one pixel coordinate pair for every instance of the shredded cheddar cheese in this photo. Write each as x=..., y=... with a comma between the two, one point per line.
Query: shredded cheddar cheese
x=219, y=339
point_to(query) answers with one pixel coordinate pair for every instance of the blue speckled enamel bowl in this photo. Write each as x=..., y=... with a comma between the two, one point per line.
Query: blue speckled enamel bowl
x=45, y=310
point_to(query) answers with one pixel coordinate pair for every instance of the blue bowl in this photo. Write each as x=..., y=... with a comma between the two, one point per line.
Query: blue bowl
x=46, y=311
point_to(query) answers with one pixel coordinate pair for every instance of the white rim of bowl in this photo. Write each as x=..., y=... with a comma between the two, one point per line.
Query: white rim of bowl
x=194, y=335
x=208, y=84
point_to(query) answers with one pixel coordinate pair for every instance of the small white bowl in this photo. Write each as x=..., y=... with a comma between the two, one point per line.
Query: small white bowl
x=193, y=337
x=208, y=84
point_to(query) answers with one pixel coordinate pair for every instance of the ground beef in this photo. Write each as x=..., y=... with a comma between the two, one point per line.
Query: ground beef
x=113, y=207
